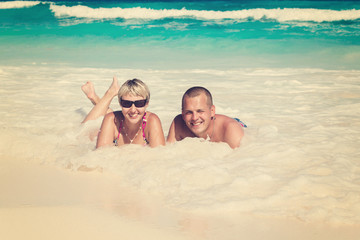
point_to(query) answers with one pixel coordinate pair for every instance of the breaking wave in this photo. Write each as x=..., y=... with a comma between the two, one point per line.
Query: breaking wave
x=18, y=4
x=280, y=15
x=257, y=14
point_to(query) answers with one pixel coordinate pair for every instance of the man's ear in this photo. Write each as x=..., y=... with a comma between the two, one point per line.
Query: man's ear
x=212, y=111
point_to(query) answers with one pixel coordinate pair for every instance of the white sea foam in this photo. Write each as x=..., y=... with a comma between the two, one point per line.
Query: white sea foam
x=299, y=157
x=281, y=15
x=18, y=4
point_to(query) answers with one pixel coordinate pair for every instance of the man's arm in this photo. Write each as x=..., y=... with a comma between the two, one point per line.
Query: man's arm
x=233, y=134
x=171, y=135
x=176, y=130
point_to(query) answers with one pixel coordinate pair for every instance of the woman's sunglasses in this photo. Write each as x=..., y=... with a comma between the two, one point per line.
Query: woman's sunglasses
x=128, y=104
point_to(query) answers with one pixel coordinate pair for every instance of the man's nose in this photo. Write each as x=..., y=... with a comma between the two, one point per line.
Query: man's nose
x=195, y=116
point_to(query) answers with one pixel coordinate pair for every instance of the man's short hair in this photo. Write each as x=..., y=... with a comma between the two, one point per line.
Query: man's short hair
x=196, y=91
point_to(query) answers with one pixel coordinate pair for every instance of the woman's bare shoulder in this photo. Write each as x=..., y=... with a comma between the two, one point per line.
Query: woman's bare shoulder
x=152, y=117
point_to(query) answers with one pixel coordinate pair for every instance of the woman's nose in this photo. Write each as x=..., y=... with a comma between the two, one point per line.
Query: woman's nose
x=133, y=108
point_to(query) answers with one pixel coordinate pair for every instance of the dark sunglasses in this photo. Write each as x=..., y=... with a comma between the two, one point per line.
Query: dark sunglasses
x=128, y=104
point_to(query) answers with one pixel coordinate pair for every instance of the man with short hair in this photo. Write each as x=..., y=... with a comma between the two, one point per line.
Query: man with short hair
x=198, y=119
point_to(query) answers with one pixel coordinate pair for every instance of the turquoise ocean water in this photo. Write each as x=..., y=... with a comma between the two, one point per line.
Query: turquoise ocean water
x=181, y=34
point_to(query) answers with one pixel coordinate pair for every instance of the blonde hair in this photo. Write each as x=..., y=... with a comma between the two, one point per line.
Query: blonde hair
x=134, y=87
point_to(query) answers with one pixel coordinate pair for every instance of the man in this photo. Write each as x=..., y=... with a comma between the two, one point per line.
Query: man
x=198, y=119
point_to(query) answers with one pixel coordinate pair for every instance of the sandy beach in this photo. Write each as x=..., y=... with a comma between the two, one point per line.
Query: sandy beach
x=45, y=202
x=275, y=186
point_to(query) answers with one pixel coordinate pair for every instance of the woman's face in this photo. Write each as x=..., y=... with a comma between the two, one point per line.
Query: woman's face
x=133, y=114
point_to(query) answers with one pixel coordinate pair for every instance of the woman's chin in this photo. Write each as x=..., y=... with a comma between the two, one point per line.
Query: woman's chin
x=133, y=119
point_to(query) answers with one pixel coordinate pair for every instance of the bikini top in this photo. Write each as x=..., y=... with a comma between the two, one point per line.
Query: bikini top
x=143, y=125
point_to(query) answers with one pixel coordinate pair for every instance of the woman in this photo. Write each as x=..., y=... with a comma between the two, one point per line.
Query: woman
x=132, y=125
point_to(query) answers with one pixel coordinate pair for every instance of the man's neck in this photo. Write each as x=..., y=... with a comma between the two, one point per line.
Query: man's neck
x=209, y=133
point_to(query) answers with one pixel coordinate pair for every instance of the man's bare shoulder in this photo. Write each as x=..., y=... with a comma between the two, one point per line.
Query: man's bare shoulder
x=178, y=119
x=179, y=124
x=224, y=120
x=231, y=131
x=228, y=122
x=180, y=128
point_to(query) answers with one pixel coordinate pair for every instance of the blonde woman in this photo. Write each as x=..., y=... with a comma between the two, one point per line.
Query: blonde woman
x=133, y=124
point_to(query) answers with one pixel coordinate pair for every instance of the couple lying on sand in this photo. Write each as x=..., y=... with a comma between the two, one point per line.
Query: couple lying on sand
x=136, y=125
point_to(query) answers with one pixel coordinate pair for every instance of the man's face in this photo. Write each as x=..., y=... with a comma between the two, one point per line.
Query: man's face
x=197, y=114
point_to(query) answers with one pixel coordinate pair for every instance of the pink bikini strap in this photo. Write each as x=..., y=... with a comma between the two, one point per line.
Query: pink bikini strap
x=143, y=126
x=143, y=130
